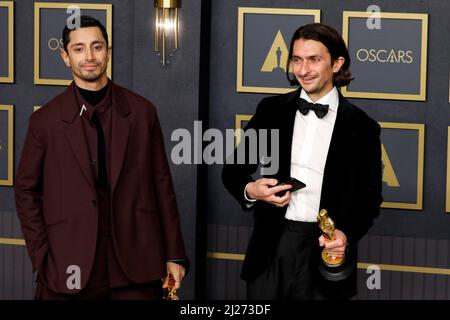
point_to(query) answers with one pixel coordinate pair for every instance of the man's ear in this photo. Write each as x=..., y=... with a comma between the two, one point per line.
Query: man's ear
x=65, y=57
x=337, y=64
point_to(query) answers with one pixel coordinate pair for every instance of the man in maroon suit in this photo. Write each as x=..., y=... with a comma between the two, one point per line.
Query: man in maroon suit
x=93, y=189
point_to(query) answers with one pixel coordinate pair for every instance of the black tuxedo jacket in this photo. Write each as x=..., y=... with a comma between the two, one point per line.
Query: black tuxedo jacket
x=351, y=189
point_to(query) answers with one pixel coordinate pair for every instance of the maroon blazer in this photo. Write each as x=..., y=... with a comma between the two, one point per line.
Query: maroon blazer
x=56, y=197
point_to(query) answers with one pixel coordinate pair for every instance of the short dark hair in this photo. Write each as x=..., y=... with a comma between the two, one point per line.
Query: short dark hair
x=331, y=39
x=85, y=22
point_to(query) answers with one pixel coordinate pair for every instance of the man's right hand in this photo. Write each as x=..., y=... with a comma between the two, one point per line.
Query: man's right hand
x=264, y=189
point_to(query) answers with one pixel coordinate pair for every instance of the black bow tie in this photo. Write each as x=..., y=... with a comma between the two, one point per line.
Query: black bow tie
x=320, y=109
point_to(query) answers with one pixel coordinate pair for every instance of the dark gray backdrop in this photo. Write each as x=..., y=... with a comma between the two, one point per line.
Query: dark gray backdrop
x=4, y=37
x=4, y=144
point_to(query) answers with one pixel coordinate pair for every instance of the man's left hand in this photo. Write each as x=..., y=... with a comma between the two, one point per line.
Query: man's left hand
x=337, y=246
x=177, y=271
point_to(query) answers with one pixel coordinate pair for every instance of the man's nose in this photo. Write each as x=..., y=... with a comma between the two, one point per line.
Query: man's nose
x=89, y=54
x=304, y=68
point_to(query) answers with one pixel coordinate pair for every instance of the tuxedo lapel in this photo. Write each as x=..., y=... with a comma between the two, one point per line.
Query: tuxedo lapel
x=75, y=134
x=339, y=156
x=119, y=135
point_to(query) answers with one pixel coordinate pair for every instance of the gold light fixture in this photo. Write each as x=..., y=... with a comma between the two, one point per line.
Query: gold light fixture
x=166, y=28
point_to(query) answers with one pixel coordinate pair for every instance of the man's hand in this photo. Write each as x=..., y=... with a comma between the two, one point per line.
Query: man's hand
x=177, y=271
x=336, y=247
x=264, y=189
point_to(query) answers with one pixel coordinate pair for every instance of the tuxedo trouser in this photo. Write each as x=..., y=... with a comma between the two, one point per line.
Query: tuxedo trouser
x=291, y=272
x=148, y=291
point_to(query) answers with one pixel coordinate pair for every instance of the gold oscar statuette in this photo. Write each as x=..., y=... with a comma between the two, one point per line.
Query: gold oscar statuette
x=171, y=293
x=327, y=226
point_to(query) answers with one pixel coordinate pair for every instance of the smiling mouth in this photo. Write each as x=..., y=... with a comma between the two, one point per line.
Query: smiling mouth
x=307, y=79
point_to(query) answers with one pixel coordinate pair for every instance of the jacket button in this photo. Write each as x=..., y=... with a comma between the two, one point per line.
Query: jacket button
x=94, y=203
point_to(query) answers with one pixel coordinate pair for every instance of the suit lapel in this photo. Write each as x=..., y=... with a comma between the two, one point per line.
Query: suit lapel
x=75, y=134
x=76, y=137
x=339, y=153
x=119, y=135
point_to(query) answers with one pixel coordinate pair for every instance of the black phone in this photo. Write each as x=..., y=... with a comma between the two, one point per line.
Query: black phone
x=296, y=185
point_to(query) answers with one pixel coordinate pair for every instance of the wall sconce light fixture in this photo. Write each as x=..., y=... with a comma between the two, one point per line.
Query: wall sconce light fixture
x=166, y=28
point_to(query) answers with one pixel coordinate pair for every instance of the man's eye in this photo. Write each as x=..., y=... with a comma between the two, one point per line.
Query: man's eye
x=99, y=47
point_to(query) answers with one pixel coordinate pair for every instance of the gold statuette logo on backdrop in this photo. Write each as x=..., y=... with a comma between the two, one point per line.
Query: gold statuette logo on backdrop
x=402, y=155
x=277, y=56
x=263, y=39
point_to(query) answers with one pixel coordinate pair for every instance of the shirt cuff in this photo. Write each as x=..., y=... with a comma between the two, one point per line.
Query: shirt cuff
x=249, y=201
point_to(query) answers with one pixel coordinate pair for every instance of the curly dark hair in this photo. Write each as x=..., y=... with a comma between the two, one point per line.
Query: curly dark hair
x=331, y=39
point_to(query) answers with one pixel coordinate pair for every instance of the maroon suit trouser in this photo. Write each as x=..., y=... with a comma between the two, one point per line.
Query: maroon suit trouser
x=148, y=291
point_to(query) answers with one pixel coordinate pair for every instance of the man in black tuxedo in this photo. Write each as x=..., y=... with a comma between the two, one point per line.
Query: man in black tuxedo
x=335, y=150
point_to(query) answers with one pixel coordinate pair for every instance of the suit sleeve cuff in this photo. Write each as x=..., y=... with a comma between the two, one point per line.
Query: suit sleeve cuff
x=183, y=262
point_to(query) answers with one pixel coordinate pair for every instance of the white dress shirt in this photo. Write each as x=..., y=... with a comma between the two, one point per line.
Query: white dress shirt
x=310, y=143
